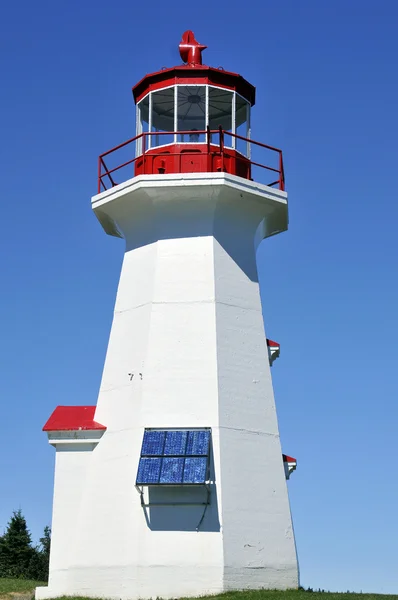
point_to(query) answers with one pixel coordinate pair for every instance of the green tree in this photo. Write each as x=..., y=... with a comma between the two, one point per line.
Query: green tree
x=16, y=551
x=39, y=563
x=45, y=542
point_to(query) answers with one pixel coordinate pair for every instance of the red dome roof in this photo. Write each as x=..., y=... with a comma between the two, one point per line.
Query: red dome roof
x=194, y=75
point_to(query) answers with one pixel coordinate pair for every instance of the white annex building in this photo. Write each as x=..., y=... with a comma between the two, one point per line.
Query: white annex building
x=174, y=484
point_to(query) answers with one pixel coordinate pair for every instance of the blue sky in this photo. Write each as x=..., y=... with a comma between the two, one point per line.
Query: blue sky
x=327, y=94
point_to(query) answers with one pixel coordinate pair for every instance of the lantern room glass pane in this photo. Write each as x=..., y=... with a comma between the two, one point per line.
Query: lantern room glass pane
x=162, y=117
x=220, y=112
x=191, y=113
x=142, y=123
x=242, y=123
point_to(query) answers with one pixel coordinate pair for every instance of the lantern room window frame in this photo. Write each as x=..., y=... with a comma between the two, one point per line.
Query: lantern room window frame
x=229, y=143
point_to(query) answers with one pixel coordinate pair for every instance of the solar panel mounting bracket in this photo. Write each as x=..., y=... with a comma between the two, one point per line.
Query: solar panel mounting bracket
x=140, y=490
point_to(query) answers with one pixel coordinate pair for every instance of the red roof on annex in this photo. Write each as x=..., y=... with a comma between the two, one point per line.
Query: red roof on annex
x=73, y=418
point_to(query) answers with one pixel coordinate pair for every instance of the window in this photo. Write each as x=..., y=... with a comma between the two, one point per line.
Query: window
x=242, y=124
x=190, y=108
x=142, y=123
x=162, y=110
x=191, y=112
x=174, y=457
x=220, y=112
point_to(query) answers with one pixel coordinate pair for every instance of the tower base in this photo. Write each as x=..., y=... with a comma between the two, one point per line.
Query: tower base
x=128, y=583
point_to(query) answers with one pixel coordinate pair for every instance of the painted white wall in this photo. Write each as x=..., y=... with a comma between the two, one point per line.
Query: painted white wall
x=71, y=460
x=188, y=326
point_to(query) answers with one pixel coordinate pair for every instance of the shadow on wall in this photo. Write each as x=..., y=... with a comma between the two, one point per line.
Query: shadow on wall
x=223, y=220
x=182, y=508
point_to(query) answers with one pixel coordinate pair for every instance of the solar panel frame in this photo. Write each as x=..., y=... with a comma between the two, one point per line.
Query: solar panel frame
x=182, y=457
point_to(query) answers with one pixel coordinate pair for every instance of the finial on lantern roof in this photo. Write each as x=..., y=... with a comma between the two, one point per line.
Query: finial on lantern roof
x=190, y=49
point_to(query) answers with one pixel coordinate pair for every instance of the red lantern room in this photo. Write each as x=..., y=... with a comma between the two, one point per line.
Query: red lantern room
x=191, y=119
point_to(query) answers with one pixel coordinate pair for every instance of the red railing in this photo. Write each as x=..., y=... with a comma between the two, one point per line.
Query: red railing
x=212, y=148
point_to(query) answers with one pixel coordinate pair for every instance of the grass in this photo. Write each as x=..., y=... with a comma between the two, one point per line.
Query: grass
x=13, y=587
x=10, y=588
x=297, y=595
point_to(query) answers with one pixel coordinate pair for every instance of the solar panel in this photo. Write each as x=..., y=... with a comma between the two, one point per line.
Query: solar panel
x=176, y=442
x=172, y=469
x=149, y=470
x=195, y=470
x=153, y=442
x=198, y=442
x=174, y=457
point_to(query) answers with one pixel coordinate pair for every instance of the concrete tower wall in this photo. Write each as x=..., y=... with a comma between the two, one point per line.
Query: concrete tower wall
x=187, y=349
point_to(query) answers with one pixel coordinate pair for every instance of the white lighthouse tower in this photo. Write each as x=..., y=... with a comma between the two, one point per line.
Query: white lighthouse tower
x=174, y=484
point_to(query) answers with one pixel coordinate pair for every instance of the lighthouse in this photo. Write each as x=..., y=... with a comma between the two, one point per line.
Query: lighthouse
x=175, y=484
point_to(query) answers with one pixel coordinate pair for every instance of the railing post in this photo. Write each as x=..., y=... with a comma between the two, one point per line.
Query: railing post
x=99, y=175
x=143, y=151
x=281, y=173
x=221, y=133
x=209, y=161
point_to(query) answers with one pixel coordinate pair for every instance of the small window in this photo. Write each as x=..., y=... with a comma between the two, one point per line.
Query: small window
x=174, y=457
x=191, y=113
